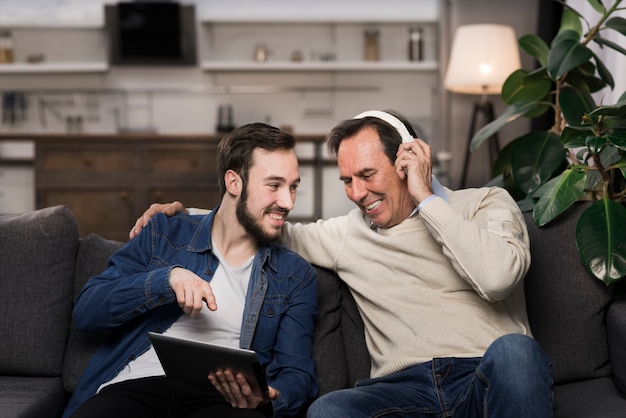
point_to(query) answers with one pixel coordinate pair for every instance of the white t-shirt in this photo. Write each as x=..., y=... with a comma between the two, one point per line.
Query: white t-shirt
x=222, y=327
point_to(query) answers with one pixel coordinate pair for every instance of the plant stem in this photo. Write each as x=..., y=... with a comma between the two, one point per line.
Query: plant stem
x=608, y=184
x=594, y=30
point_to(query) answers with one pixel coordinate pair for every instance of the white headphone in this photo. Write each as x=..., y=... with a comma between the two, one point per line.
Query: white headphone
x=390, y=119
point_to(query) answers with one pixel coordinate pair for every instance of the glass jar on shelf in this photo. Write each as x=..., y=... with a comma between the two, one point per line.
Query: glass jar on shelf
x=371, y=48
x=6, y=46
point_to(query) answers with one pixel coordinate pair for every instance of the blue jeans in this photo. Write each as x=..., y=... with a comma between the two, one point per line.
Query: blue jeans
x=513, y=379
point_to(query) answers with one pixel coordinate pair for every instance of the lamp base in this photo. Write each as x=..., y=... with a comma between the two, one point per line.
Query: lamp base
x=483, y=108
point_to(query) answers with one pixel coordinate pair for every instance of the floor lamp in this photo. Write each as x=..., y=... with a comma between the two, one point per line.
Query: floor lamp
x=481, y=59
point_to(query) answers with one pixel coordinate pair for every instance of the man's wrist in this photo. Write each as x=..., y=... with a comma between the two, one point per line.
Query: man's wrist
x=425, y=201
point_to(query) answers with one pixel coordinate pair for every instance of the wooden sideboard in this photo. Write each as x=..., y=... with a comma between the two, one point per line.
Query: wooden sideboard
x=109, y=180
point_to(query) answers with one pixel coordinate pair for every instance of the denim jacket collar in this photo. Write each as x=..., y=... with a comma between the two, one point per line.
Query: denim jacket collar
x=201, y=242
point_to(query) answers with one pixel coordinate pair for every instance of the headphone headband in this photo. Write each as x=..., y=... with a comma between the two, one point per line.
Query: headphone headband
x=390, y=119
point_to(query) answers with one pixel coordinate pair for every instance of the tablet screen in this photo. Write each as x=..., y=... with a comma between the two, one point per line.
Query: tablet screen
x=191, y=361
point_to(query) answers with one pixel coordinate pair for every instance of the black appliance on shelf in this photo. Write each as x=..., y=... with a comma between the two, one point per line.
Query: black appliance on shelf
x=151, y=33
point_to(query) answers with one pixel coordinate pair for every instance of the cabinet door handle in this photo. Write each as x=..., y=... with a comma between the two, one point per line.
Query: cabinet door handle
x=124, y=194
x=88, y=162
x=157, y=195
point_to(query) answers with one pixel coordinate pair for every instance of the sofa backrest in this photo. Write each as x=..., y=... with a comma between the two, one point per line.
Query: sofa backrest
x=566, y=305
x=92, y=259
x=36, y=283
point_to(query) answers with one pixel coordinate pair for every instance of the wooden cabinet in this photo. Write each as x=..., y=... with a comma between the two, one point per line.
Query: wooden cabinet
x=108, y=181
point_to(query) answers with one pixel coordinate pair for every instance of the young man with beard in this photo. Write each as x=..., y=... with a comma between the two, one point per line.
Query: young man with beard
x=221, y=278
x=437, y=275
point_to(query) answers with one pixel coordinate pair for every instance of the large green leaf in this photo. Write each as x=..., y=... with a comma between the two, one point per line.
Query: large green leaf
x=566, y=54
x=593, y=179
x=595, y=143
x=597, y=6
x=618, y=138
x=574, y=104
x=575, y=136
x=534, y=46
x=570, y=20
x=601, y=240
x=603, y=41
x=513, y=85
x=535, y=158
x=617, y=23
x=559, y=194
x=524, y=86
x=581, y=79
x=604, y=72
x=502, y=170
x=512, y=113
x=609, y=156
x=619, y=109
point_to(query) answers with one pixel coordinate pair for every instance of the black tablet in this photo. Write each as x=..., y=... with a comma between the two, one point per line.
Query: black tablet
x=191, y=361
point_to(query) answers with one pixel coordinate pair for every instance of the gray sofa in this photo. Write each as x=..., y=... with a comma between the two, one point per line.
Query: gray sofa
x=43, y=264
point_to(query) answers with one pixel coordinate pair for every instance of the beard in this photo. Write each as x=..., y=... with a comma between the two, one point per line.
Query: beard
x=252, y=226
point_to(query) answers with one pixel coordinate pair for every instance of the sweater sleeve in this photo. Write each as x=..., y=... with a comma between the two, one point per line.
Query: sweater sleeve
x=487, y=242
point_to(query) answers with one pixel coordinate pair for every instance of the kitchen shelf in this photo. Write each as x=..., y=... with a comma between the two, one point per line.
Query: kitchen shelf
x=88, y=23
x=233, y=18
x=319, y=66
x=325, y=11
x=54, y=67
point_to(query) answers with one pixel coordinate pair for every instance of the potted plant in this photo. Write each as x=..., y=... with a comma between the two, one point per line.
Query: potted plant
x=583, y=155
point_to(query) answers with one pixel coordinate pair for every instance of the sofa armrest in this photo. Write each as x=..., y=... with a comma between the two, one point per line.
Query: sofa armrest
x=616, y=330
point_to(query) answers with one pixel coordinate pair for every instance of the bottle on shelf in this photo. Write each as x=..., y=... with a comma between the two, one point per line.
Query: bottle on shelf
x=415, y=44
x=371, y=49
x=6, y=46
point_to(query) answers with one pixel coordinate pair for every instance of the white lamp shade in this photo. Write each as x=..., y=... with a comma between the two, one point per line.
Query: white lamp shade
x=481, y=59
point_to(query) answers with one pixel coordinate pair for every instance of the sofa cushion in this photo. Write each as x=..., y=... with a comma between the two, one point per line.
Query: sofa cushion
x=597, y=398
x=566, y=305
x=36, y=282
x=92, y=259
x=31, y=397
x=328, y=349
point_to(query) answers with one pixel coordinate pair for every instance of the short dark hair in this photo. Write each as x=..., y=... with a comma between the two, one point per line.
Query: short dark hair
x=389, y=137
x=234, y=151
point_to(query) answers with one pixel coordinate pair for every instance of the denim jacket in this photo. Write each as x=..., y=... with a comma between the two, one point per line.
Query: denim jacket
x=133, y=296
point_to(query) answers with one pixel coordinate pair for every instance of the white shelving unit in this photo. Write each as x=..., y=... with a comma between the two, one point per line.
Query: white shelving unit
x=58, y=47
x=228, y=43
x=319, y=66
x=54, y=68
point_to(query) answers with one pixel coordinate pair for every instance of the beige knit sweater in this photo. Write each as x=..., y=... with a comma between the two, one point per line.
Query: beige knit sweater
x=444, y=283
